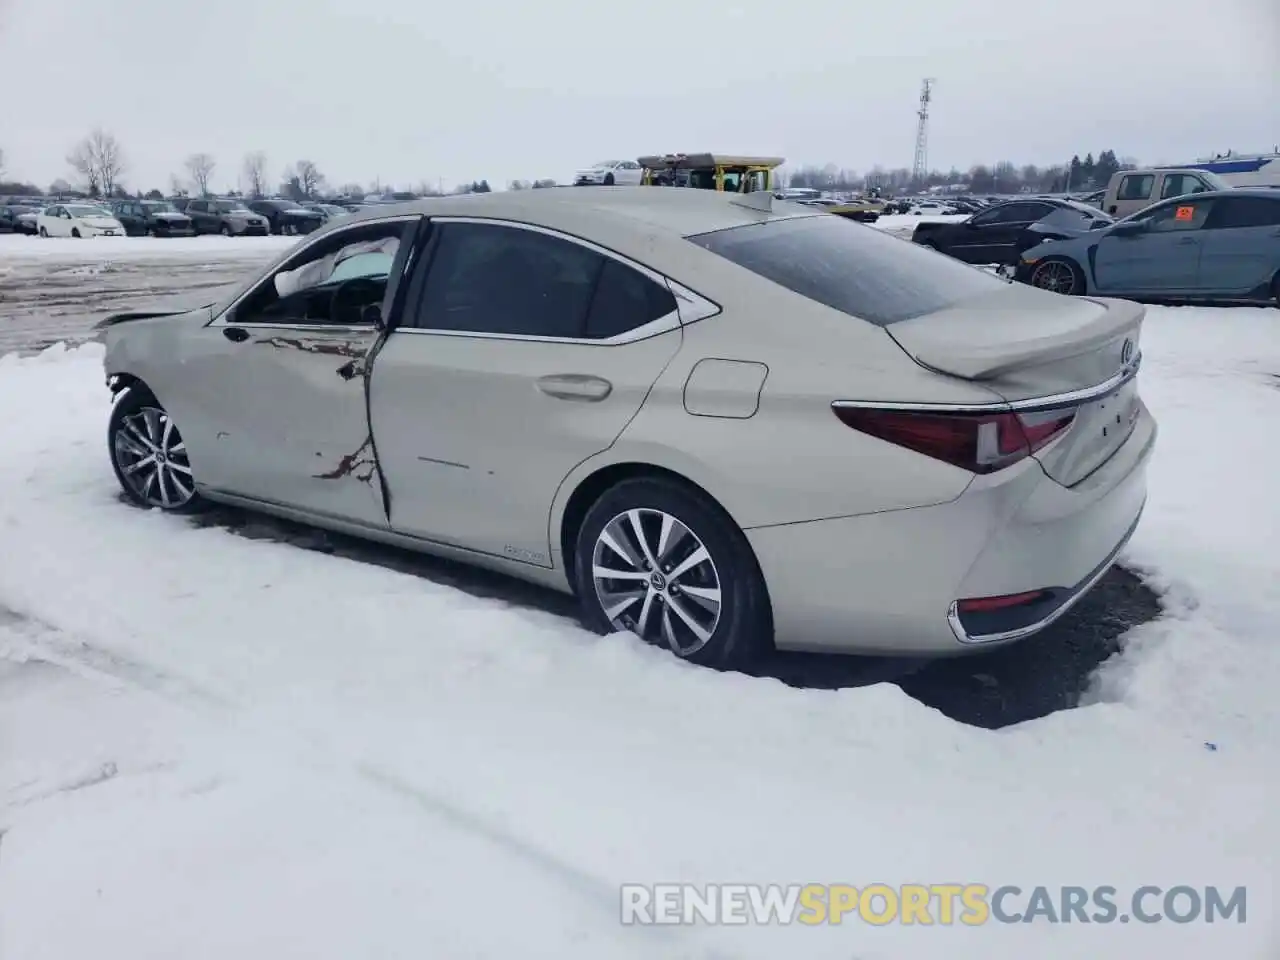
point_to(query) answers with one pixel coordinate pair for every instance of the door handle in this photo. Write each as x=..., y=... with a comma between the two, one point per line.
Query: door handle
x=235, y=334
x=575, y=386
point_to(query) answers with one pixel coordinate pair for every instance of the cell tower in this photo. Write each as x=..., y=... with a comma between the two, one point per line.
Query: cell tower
x=920, y=169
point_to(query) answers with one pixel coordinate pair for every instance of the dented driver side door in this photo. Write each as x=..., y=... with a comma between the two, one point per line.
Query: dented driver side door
x=276, y=386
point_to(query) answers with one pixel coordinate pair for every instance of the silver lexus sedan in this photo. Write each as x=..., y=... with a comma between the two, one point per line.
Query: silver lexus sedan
x=725, y=423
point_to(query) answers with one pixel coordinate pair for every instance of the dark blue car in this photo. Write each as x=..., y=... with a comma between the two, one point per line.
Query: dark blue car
x=1219, y=246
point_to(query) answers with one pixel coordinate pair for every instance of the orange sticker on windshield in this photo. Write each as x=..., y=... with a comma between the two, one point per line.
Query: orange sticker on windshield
x=1185, y=213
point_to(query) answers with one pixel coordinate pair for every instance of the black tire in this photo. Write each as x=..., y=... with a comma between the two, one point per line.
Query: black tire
x=1053, y=265
x=1275, y=290
x=129, y=441
x=75, y=232
x=44, y=233
x=743, y=627
x=226, y=230
x=608, y=180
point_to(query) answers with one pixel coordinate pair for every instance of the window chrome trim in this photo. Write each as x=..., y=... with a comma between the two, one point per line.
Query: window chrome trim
x=220, y=320
x=1070, y=398
x=690, y=306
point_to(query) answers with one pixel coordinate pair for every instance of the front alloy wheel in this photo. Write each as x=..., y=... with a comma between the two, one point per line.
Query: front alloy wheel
x=654, y=577
x=150, y=457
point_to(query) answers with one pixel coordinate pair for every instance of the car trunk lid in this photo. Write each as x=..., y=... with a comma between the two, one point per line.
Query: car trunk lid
x=1043, y=353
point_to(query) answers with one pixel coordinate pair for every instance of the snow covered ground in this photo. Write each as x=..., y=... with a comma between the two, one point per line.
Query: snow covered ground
x=212, y=746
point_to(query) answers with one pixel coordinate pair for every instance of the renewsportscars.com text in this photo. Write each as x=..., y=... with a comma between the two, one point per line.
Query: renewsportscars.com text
x=967, y=904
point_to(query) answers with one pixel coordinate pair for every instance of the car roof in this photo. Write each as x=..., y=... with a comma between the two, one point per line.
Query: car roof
x=680, y=211
x=1259, y=192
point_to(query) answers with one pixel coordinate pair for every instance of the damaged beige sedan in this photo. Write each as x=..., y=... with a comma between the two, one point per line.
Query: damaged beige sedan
x=724, y=424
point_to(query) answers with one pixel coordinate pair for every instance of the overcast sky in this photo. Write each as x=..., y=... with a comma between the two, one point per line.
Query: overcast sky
x=411, y=90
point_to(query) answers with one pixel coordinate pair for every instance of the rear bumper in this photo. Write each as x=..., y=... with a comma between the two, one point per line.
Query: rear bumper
x=888, y=583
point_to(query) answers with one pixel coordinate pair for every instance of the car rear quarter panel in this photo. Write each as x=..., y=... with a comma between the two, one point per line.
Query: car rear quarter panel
x=792, y=460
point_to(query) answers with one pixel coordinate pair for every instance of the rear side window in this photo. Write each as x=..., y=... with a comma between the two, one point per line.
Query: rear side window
x=1236, y=213
x=485, y=278
x=624, y=300
x=849, y=267
x=1136, y=186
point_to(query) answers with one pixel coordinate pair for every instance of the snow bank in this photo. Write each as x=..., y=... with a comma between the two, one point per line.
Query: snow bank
x=212, y=746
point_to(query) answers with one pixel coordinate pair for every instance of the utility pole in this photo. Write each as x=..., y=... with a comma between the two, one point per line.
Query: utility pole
x=920, y=168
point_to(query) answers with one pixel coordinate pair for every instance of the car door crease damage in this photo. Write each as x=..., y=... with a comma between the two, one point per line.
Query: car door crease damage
x=524, y=427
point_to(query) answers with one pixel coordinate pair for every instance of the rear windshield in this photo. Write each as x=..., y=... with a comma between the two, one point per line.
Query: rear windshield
x=850, y=267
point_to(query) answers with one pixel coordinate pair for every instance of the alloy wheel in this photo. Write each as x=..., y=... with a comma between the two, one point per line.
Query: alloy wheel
x=1054, y=276
x=655, y=577
x=153, y=459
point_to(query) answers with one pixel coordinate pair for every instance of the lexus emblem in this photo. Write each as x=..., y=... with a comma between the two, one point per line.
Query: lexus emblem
x=1126, y=353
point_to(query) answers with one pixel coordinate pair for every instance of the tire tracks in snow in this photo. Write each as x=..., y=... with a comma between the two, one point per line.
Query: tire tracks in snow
x=36, y=640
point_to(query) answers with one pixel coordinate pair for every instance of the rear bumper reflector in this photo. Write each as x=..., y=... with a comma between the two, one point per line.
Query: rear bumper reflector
x=1015, y=616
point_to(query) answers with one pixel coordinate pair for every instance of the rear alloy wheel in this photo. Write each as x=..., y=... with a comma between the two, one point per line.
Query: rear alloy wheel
x=226, y=230
x=658, y=559
x=1058, y=276
x=149, y=456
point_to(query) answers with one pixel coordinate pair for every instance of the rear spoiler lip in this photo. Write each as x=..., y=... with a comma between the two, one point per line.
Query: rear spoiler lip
x=116, y=318
x=978, y=366
x=1055, y=401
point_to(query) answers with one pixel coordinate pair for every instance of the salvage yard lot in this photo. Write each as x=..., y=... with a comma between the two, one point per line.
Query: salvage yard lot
x=335, y=751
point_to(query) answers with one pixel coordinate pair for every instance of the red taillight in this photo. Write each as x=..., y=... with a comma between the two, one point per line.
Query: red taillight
x=989, y=604
x=982, y=443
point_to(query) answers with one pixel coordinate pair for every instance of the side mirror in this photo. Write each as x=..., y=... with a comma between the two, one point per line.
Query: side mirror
x=1130, y=228
x=372, y=315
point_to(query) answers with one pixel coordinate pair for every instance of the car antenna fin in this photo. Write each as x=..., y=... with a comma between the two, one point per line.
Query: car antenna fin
x=761, y=200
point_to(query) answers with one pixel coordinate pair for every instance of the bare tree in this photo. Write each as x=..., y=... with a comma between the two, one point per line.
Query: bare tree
x=105, y=151
x=176, y=187
x=308, y=176
x=99, y=161
x=200, y=167
x=255, y=172
x=81, y=161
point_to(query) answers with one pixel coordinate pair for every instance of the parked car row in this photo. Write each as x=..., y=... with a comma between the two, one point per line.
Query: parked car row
x=1208, y=245
x=175, y=217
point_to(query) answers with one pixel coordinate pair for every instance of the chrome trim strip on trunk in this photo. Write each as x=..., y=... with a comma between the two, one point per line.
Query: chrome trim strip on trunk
x=1072, y=398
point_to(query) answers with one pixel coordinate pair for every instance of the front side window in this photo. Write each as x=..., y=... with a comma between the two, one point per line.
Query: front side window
x=333, y=281
x=1175, y=217
x=1136, y=186
x=1181, y=184
x=857, y=270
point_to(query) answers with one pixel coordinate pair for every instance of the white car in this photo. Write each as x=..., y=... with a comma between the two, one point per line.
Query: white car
x=77, y=220
x=932, y=209
x=608, y=172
